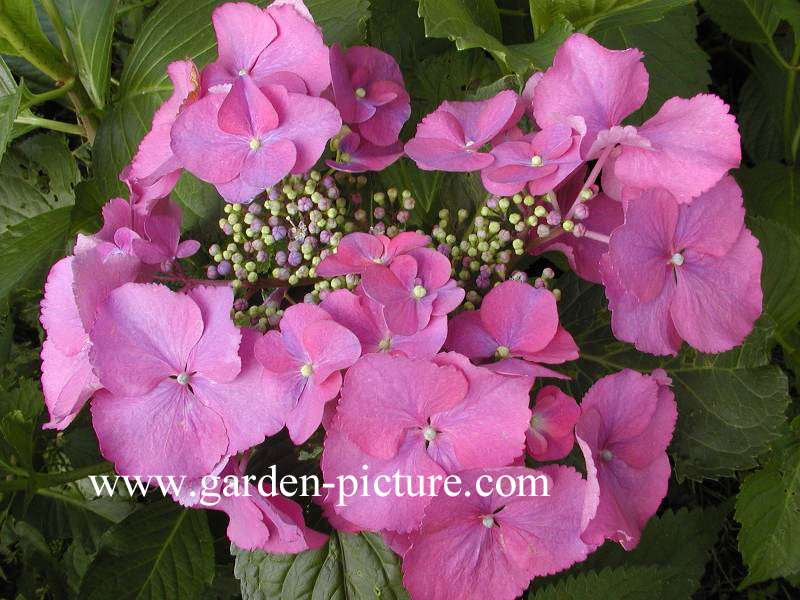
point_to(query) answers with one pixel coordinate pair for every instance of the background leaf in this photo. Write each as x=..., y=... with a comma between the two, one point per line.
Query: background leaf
x=160, y=551
x=357, y=566
x=768, y=507
x=90, y=25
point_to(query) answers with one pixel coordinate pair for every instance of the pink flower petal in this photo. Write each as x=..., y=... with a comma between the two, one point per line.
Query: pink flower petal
x=698, y=138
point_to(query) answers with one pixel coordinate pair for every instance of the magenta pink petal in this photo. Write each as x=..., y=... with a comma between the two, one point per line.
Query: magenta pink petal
x=520, y=317
x=59, y=312
x=602, y=86
x=697, y=137
x=243, y=31
x=165, y=431
x=468, y=336
x=68, y=382
x=306, y=417
x=330, y=347
x=216, y=354
x=246, y=111
x=142, y=334
x=721, y=205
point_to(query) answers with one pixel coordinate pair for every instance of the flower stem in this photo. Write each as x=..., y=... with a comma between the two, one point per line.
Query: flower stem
x=788, y=108
x=49, y=124
x=35, y=481
x=48, y=63
x=595, y=172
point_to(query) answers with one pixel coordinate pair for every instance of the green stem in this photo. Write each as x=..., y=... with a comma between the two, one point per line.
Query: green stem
x=51, y=66
x=49, y=124
x=47, y=96
x=788, y=106
x=61, y=31
x=35, y=481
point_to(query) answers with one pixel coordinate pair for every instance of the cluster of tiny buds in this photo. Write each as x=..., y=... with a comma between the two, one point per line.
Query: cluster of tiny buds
x=260, y=316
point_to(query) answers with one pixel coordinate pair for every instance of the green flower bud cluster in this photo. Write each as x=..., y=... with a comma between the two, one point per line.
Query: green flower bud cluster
x=483, y=249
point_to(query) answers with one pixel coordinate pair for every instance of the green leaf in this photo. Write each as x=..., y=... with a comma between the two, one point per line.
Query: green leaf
x=357, y=566
x=597, y=14
x=342, y=22
x=678, y=543
x=159, y=551
x=745, y=20
x=19, y=414
x=780, y=246
x=730, y=405
x=761, y=100
x=541, y=52
x=768, y=507
x=19, y=201
x=622, y=583
x=28, y=248
x=10, y=96
x=471, y=24
x=90, y=26
x=676, y=63
x=50, y=152
x=22, y=18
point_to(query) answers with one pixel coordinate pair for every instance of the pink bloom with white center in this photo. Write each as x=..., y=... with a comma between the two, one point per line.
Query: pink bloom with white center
x=551, y=435
x=364, y=317
x=541, y=160
x=626, y=424
x=604, y=215
x=277, y=46
x=370, y=92
x=415, y=287
x=179, y=380
x=268, y=522
x=684, y=271
x=357, y=251
x=302, y=365
x=452, y=137
x=491, y=547
x=357, y=155
x=154, y=169
x=515, y=321
x=421, y=418
x=587, y=80
x=250, y=138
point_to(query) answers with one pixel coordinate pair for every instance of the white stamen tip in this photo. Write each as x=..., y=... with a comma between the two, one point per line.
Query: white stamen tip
x=536, y=161
x=182, y=378
x=385, y=344
x=488, y=521
x=429, y=433
x=502, y=351
x=676, y=259
x=242, y=71
x=606, y=455
x=255, y=144
x=419, y=292
x=361, y=92
x=306, y=370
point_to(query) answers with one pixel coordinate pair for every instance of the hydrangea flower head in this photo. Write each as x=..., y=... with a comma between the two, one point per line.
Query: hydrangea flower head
x=490, y=547
x=364, y=317
x=551, y=435
x=452, y=137
x=626, y=424
x=357, y=251
x=302, y=365
x=541, y=160
x=415, y=287
x=278, y=45
x=420, y=418
x=250, y=138
x=515, y=321
x=684, y=271
x=178, y=387
x=370, y=92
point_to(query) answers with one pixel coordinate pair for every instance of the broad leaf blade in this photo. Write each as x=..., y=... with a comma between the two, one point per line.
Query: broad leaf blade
x=159, y=551
x=356, y=566
x=90, y=25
